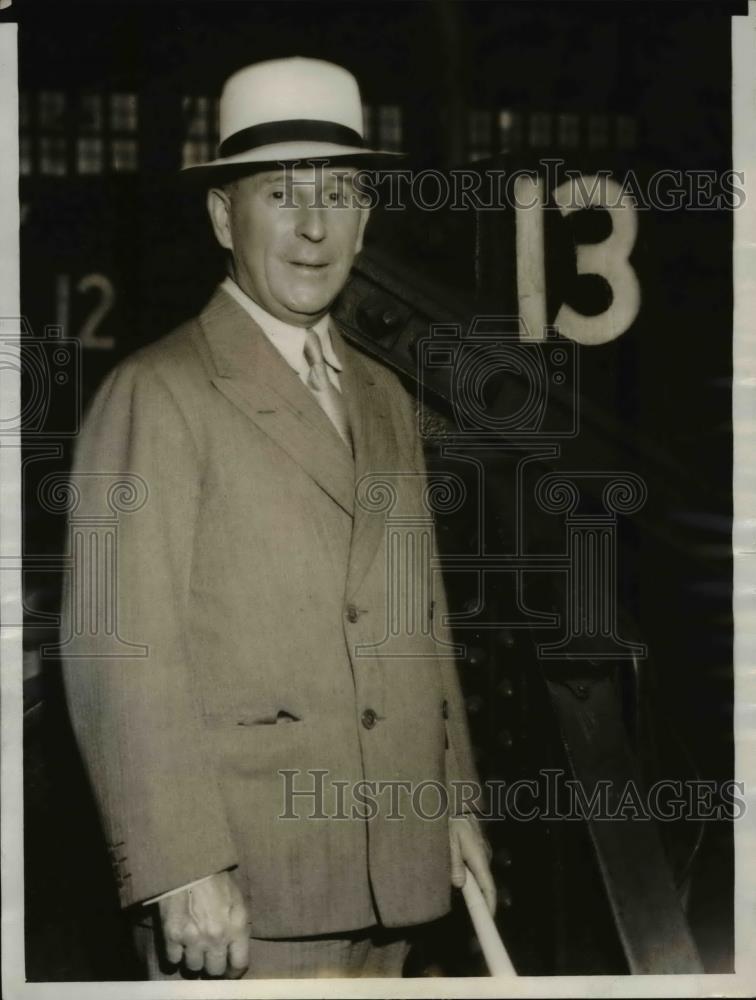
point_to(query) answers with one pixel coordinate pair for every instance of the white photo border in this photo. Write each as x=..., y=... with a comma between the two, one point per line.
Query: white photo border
x=743, y=981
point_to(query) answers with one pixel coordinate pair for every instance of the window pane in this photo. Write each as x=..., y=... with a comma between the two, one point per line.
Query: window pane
x=123, y=155
x=510, y=130
x=390, y=127
x=196, y=151
x=24, y=155
x=90, y=113
x=569, y=130
x=200, y=117
x=540, y=129
x=89, y=156
x=369, y=123
x=123, y=112
x=479, y=134
x=52, y=155
x=198, y=123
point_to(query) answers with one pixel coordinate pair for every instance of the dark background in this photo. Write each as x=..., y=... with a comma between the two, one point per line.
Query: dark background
x=645, y=86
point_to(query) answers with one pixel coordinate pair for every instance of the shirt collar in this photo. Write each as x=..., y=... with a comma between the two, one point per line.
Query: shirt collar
x=287, y=339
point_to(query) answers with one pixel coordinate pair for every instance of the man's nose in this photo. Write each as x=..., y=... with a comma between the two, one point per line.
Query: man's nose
x=311, y=223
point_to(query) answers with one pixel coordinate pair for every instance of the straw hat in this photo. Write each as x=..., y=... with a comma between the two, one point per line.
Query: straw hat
x=289, y=109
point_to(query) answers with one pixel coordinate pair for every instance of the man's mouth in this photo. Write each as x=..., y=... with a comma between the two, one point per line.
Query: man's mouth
x=309, y=265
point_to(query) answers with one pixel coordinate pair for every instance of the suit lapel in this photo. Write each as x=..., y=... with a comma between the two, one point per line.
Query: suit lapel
x=378, y=453
x=253, y=376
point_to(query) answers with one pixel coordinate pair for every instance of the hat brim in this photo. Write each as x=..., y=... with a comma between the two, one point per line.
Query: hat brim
x=288, y=152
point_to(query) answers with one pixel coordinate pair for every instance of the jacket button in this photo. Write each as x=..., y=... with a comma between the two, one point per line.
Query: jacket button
x=445, y=709
x=369, y=718
x=352, y=613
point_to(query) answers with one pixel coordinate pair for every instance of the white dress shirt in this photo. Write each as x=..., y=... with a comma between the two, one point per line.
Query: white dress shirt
x=288, y=340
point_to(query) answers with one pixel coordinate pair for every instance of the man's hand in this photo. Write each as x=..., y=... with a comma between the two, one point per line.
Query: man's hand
x=469, y=847
x=207, y=925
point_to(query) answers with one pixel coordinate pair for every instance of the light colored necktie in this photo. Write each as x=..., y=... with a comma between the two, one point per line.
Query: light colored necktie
x=325, y=392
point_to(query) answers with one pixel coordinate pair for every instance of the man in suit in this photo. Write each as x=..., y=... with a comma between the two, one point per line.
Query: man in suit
x=236, y=746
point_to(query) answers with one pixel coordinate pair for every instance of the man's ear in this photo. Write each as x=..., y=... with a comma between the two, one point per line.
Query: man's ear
x=364, y=216
x=219, y=210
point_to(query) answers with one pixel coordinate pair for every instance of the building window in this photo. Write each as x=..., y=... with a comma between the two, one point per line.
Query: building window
x=52, y=155
x=90, y=151
x=479, y=135
x=383, y=126
x=568, y=131
x=539, y=133
x=200, y=129
x=368, y=123
x=390, y=128
x=510, y=131
x=123, y=155
x=89, y=156
x=51, y=114
x=123, y=112
x=90, y=113
x=86, y=134
x=25, y=156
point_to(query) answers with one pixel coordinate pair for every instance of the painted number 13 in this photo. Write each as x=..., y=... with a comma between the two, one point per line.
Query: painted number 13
x=608, y=259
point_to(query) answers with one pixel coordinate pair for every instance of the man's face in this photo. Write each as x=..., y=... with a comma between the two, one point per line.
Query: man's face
x=293, y=235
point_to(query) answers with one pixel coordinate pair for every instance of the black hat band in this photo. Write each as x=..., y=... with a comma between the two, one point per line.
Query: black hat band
x=294, y=130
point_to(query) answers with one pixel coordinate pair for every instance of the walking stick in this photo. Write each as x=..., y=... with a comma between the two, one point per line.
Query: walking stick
x=491, y=945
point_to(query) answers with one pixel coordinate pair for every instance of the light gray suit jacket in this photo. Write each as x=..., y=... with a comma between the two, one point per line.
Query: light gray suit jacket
x=258, y=584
